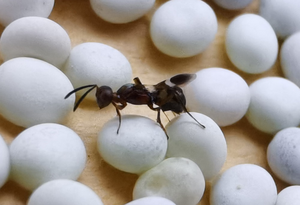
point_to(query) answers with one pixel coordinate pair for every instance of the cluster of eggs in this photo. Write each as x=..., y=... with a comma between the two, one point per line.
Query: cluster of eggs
x=40, y=68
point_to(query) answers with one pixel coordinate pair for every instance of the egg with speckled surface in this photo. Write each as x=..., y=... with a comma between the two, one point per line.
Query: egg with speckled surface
x=283, y=155
x=244, y=184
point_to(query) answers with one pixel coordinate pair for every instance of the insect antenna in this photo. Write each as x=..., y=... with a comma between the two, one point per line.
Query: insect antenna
x=83, y=96
x=193, y=117
x=158, y=120
x=119, y=115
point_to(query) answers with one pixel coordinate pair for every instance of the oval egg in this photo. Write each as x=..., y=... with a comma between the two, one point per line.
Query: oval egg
x=177, y=179
x=233, y=4
x=289, y=58
x=32, y=92
x=283, y=15
x=35, y=37
x=183, y=28
x=46, y=152
x=205, y=146
x=119, y=12
x=219, y=93
x=244, y=184
x=289, y=196
x=15, y=9
x=139, y=145
x=97, y=63
x=66, y=192
x=251, y=43
x=283, y=155
x=274, y=104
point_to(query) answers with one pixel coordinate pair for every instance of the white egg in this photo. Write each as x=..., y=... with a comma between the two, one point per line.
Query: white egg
x=46, y=152
x=205, y=146
x=177, y=179
x=97, y=63
x=289, y=59
x=220, y=94
x=283, y=15
x=289, y=196
x=35, y=37
x=5, y=162
x=64, y=192
x=32, y=92
x=283, y=155
x=233, y=4
x=140, y=144
x=244, y=184
x=151, y=200
x=251, y=43
x=274, y=104
x=183, y=28
x=119, y=11
x=14, y=9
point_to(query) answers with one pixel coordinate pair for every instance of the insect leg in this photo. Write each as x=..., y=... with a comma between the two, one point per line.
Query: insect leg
x=137, y=81
x=119, y=114
x=158, y=120
x=118, y=108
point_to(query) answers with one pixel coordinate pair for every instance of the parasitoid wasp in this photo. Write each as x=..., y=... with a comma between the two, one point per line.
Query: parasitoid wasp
x=164, y=96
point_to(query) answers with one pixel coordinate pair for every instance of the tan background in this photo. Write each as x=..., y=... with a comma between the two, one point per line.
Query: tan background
x=245, y=143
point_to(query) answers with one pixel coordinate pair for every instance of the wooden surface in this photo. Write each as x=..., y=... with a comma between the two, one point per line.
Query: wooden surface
x=245, y=143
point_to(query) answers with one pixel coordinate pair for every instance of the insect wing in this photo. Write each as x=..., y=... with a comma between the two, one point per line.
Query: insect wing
x=180, y=79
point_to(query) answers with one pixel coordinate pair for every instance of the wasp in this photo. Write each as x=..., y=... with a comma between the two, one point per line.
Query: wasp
x=164, y=96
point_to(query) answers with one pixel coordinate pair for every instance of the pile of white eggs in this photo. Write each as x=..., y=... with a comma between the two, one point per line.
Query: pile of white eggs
x=40, y=68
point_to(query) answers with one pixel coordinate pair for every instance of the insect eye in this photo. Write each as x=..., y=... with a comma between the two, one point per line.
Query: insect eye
x=104, y=96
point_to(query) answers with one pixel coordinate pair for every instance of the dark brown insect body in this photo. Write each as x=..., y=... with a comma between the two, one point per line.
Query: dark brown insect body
x=165, y=96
